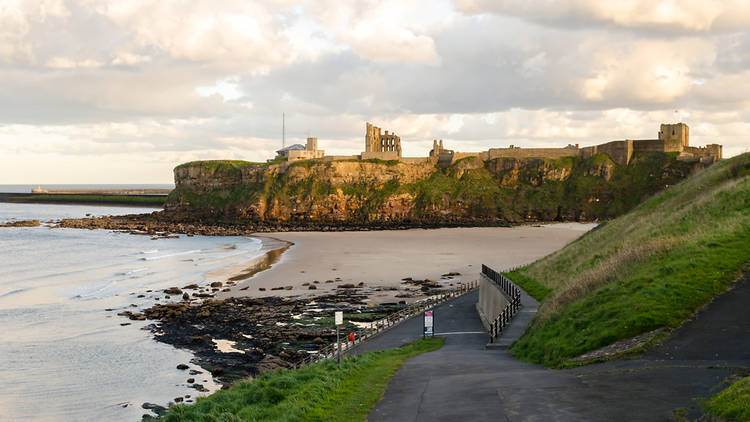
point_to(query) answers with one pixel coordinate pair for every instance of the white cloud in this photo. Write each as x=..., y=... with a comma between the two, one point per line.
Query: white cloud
x=660, y=15
x=160, y=82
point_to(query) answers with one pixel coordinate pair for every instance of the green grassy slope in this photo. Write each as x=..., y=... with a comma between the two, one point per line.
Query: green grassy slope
x=319, y=392
x=732, y=404
x=651, y=268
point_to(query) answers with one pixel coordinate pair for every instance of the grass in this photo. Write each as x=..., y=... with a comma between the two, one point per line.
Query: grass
x=155, y=200
x=732, y=404
x=319, y=392
x=651, y=268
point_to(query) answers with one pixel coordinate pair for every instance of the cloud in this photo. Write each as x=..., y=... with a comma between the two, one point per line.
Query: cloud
x=169, y=81
x=683, y=16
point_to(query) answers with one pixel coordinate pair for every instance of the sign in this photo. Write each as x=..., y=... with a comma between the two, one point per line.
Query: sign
x=339, y=317
x=428, y=324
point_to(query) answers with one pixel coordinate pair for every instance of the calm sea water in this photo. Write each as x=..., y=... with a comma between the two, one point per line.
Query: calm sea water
x=28, y=188
x=64, y=357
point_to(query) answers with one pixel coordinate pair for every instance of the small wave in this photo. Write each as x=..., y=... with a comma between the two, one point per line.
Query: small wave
x=131, y=272
x=154, y=258
x=149, y=252
x=12, y=292
x=92, y=292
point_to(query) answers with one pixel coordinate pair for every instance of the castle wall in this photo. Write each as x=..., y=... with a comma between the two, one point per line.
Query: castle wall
x=381, y=155
x=328, y=158
x=531, y=153
x=648, y=145
x=416, y=160
x=710, y=150
x=619, y=151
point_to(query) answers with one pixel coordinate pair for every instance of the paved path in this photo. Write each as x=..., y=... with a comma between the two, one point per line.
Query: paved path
x=464, y=381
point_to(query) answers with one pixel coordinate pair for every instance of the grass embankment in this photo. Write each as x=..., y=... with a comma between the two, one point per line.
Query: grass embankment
x=319, y=392
x=651, y=268
x=145, y=200
x=732, y=404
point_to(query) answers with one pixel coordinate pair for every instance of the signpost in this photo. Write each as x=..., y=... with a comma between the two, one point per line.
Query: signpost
x=428, y=324
x=338, y=318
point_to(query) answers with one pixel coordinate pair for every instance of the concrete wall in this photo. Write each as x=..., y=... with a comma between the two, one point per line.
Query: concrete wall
x=491, y=301
x=305, y=154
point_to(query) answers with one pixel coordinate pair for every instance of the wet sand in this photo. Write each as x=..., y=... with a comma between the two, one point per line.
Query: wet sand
x=381, y=259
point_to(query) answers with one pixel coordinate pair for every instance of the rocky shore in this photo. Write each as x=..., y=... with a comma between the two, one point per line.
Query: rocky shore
x=241, y=337
x=160, y=223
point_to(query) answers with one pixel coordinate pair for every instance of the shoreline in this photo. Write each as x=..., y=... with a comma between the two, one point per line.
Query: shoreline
x=395, y=266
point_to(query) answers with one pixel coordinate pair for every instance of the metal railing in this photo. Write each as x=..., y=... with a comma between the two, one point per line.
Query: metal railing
x=511, y=292
x=376, y=327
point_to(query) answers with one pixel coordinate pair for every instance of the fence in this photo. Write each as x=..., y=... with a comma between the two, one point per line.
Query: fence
x=512, y=292
x=376, y=327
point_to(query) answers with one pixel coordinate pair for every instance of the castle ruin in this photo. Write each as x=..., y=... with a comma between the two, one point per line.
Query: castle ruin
x=381, y=146
x=387, y=146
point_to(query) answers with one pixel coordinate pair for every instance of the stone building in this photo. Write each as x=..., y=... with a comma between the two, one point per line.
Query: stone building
x=302, y=152
x=381, y=146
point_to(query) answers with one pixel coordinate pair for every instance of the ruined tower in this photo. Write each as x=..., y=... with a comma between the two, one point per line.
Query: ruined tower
x=381, y=145
x=675, y=136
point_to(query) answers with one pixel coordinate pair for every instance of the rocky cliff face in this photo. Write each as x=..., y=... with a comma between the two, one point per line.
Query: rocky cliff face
x=469, y=192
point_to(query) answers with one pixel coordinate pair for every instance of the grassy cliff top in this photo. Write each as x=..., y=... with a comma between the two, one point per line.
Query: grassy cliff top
x=227, y=165
x=652, y=267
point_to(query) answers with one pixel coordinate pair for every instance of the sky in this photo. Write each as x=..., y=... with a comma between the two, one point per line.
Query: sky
x=105, y=91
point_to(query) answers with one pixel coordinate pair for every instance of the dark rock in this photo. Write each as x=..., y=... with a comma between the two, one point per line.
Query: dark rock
x=190, y=381
x=182, y=366
x=217, y=284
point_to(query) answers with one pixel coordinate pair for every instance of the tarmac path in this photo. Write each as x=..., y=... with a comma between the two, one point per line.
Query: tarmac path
x=465, y=381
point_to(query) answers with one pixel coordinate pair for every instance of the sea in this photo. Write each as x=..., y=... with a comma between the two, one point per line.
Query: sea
x=63, y=355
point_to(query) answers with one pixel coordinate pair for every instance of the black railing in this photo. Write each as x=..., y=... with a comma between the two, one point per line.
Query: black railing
x=364, y=333
x=511, y=292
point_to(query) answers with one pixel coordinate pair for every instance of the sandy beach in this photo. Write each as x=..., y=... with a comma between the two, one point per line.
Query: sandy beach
x=381, y=259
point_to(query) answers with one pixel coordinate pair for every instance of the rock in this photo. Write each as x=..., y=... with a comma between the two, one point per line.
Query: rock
x=217, y=371
x=262, y=289
x=277, y=288
x=178, y=399
x=319, y=340
x=346, y=286
x=182, y=366
x=270, y=363
x=191, y=286
x=313, y=287
x=288, y=287
x=25, y=223
x=173, y=291
x=190, y=381
x=185, y=296
x=217, y=284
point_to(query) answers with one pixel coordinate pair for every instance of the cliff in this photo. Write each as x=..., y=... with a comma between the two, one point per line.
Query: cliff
x=470, y=191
